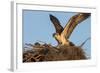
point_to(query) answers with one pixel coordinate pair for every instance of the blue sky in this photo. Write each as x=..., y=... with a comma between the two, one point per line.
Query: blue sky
x=37, y=26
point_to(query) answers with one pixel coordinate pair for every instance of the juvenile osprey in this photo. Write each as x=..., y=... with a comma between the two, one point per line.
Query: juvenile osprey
x=62, y=34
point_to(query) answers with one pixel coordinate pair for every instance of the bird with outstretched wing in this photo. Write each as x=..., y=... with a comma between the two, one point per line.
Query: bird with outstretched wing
x=62, y=34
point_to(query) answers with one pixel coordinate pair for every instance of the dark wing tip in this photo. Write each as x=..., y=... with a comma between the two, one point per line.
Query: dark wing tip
x=54, y=20
x=86, y=14
x=51, y=17
x=56, y=23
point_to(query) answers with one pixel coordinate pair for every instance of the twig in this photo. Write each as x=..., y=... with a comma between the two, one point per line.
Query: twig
x=29, y=44
x=85, y=41
x=41, y=41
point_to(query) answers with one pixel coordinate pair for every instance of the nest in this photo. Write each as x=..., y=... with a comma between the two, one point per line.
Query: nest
x=47, y=52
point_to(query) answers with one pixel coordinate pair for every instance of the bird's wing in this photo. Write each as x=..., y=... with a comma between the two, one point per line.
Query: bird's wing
x=56, y=24
x=73, y=22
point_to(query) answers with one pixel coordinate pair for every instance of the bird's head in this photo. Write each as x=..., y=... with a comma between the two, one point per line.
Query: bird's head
x=55, y=35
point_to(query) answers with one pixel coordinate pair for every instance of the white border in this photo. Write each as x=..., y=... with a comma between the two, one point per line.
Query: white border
x=17, y=37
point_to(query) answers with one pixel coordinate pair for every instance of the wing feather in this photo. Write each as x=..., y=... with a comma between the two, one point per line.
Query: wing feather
x=73, y=22
x=56, y=24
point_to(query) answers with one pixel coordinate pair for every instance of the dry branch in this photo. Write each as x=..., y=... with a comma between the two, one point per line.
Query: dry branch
x=46, y=52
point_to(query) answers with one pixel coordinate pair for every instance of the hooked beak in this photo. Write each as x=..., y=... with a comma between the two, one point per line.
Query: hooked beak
x=54, y=35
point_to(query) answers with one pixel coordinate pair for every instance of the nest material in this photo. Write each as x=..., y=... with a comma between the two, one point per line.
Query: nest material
x=50, y=53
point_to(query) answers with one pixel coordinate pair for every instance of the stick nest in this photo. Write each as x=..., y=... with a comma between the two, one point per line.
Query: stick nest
x=47, y=52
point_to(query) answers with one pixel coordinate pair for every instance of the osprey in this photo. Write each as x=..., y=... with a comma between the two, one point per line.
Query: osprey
x=62, y=34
